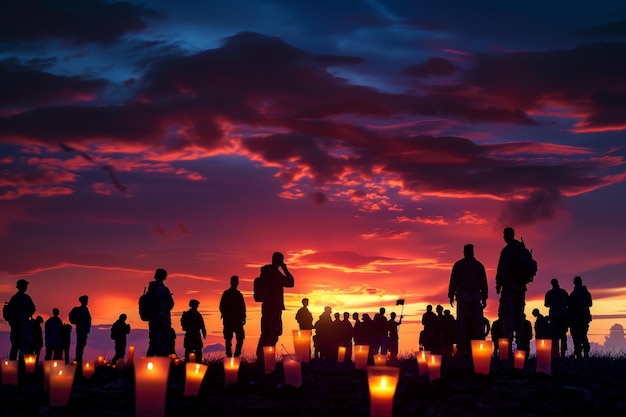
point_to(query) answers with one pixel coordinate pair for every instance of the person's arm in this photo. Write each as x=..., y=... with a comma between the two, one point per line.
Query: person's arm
x=452, y=285
x=288, y=280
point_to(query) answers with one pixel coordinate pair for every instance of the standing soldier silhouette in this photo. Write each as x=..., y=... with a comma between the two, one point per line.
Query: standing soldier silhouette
x=580, y=316
x=233, y=311
x=193, y=326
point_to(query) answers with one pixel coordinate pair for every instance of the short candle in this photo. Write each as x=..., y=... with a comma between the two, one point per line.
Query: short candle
x=29, y=362
x=361, y=353
x=341, y=354
x=269, y=359
x=382, y=382
x=422, y=362
x=151, y=375
x=482, y=350
x=544, y=356
x=9, y=372
x=519, y=359
x=302, y=344
x=293, y=371
x=503, y=349
x=194, y=375
x=434, y=366
x=231, y=370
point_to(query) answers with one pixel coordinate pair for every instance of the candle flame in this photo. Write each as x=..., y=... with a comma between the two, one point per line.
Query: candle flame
x=481, y=346
x=232, y=361
x=383, y=382
x=60, y=371
x=150, y=366
x=299, y=335
x=55, y=364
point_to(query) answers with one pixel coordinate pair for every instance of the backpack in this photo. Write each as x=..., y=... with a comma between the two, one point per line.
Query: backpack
x=260, y=285
x=74, y=315
x=524, y=266
x=148, y=307
x=7, y=312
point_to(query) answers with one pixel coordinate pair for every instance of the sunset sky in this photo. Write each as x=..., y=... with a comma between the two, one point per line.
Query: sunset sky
x=367, y=140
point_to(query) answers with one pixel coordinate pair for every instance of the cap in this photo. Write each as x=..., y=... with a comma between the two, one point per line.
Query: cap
x=194, y=303
x=21, y=283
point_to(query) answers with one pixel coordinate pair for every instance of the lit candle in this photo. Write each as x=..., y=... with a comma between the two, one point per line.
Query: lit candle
x=361, y=353
x=519, y=359
x=9, y=372
x=380, y=360
x=231, y=370
x=192, y=357
x=382, y=382
x=88, y=369
x=194, y=375
x=454, y=349
x=434, y=366
x=269, y=358
x=544, y=356
x=101, y=361
x=49, y=366
x=302, y=344
x=503, y=349
x=29, y=362
x=422, y=363
x=151, y=375
x=341, y=354
x=481, y=356
x=131, y=355
x=293, y=371
x=61, y=381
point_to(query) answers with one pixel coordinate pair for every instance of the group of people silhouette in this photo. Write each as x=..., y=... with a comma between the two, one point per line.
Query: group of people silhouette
x=441, y=330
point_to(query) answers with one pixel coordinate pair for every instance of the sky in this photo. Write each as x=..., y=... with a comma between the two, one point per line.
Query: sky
x=368, y=141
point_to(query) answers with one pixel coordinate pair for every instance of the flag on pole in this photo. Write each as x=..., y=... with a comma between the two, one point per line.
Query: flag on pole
x=400, y=302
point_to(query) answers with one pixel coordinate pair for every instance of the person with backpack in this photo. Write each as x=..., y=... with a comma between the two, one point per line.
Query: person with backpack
x=233, y=312
x=119, y=330
x=269, y=288
x=193, y=325
x=81, y=318
x=18, y=312
x=511, y=280
x=579, y=317
x=160, y=304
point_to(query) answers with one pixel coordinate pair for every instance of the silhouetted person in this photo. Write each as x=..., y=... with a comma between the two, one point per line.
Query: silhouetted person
x=523, y=342
x=370, y=332
x=337, y=331
x=557, y=299
x=160, y=333
x=304, y=316
x=346, y=336
x=21, y=308
x=449, y=333
x=542, y=327
x=359, y=332
x=468, y=285
x=66, y=335
x=579, y=317
x=273, y=282
x=429, y=335
x=394, y=337
x=81, y=318
x=438, y=331
x=53, y=335
x=119, y=330
x=37, y=342
x=496, y=334
x=192, y=323
x=382, y=332
x=233, y=311
x=323, y=338
x=512, y=291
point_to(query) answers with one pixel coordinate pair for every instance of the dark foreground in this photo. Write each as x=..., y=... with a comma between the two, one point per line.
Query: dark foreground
x=592, y=387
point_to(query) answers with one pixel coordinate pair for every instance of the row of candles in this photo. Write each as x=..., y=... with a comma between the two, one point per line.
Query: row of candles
x=151, y=373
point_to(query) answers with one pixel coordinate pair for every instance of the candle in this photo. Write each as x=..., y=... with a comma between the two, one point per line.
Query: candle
x=454, y=349
x=151, y=375
x=269, y=358
x=434, y=366
x=422, y=364
x=61, y=380
x=380, y=360
x=131, y=355
x=544, y=356
x=231, y=370
x=192, y=357
x=293, y=371
x=382, y=382
x=361, y=353
x=101, y=361
x=120, y=363
x=503, y=349
x=302, y=344
x=481, y=356
x=519, y=359
x=194, y=375
x=9, y=372
x=341, y=354
x=88, y=369
x=29, y=362
x=49, y=366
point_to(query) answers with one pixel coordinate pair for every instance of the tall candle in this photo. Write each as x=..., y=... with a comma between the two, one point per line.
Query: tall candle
x=544, y=356
x=482, y=350
x=194, y=375
x=434, y=366
x=61, y=381
x=382, y=382
x=380, y=360
x=361, y=353
x=302, y=344
x=421, y=361
x=503, y=349
x=293, y=371
x=131, y=355
x=269, y=358
x=231, y=369
x=341, y=354
x=29, y=362
x=88, y=369
x=519, y=358
x=192, y=357
x=9, y=371
x=49, y=366
x=151, y=375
